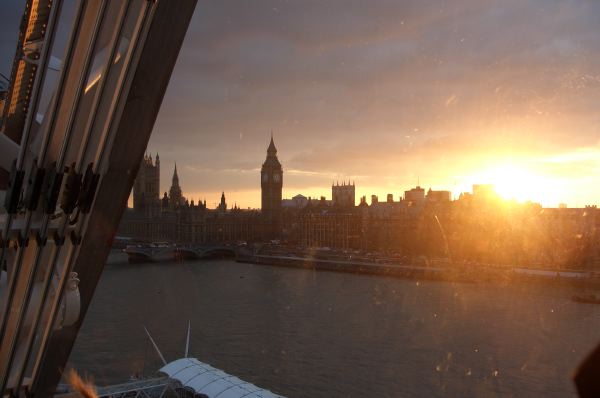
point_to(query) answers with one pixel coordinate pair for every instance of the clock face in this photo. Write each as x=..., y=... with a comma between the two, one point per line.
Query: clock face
x=265, y=177
x=276, y=177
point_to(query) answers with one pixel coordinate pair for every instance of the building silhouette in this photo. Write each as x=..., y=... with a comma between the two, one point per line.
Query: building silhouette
x=271, y=177
x=222, y=204
x=477, y=227
x=146, y=188
x=176, y=198
x=174, y=218
x=343, y=195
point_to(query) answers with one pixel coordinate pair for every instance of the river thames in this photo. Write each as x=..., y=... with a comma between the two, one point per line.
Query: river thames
x=303, y=333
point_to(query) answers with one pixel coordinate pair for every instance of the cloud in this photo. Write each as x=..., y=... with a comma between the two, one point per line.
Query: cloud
x=381, y=91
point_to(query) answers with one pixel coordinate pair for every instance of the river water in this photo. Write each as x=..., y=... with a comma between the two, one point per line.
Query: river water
x=303, y=333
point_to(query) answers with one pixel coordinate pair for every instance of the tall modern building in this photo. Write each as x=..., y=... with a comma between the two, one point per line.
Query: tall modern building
x=146, y=188
x=271, y=176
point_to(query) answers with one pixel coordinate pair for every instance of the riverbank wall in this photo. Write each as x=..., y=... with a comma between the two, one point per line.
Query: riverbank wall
x=453, y=273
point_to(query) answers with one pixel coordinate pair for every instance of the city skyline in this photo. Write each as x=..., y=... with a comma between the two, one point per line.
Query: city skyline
x=166, y=189
x=384, y=94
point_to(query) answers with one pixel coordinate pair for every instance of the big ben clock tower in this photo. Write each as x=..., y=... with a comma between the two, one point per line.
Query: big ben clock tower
x=271, y=177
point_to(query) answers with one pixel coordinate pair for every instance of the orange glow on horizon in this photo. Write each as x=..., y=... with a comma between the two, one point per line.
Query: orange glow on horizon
x=516, y=182
x=549, y=180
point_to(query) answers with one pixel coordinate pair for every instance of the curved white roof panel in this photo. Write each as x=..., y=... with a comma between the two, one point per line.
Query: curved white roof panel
x=204, y=379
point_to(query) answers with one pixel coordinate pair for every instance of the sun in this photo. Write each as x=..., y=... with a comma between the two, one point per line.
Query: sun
x=512, y=181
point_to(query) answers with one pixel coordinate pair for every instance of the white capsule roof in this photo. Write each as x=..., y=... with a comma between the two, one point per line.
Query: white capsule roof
x=204, y=379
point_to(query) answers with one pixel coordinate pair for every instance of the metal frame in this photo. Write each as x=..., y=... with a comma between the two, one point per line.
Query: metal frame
x=121, y=116
x=51, y=269
x=16, y=324
x=55, y=303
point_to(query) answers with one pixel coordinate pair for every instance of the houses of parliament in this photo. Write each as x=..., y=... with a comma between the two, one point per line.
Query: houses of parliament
x=476, y=226
x=171, y=217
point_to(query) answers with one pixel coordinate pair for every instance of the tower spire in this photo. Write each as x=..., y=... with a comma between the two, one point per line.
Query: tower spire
x=272, y=151
x=175, y=179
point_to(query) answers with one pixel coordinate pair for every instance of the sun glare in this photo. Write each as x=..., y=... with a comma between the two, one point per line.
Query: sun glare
x=517, y=182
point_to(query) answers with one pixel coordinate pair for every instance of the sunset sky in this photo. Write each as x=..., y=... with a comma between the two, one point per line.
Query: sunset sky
x=385, y=93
